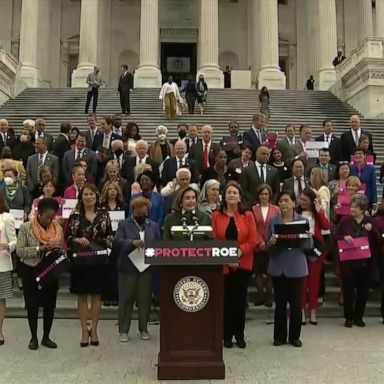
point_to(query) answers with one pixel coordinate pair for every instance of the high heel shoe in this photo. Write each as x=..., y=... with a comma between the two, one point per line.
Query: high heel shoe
x=84, y=344
x=93, y=343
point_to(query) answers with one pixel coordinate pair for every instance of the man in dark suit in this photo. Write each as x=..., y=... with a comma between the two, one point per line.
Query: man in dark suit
x=93, y=130
x=204, y=152
x=297, y=183
x=286, y=143
x=128, y=170
x=232, y=144
x=334, y=143
x=328, y=169
x=257, y=174
x=350, y=139
x=79, y=152
x=103, y=140
x=6, y=140
x=181, y=160
x=125, y=88
x=255, y=136
x=192, y=136
x=40, y=132
x=60, y=146
x=36, y=161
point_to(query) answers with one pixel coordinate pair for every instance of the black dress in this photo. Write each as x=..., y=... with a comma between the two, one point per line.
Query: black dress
x=89, y=279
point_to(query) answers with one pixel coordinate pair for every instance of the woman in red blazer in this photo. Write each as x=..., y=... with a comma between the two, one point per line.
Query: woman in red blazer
x=310, y=209
x=263, y=213
x=231, y=222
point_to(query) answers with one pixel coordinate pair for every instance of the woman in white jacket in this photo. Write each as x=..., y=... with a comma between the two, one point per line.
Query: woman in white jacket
x=8, y=241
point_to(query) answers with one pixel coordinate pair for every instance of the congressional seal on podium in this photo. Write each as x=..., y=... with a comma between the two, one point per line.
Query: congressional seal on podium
x=191, y=294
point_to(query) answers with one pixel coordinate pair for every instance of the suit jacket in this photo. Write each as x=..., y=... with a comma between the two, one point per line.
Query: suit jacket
x=236, y=168
x=367, y=176
x=170, y=169
x=348, y=144
x=196, y=152
x=262, y=225
x=251, y=140
x=69, y=160
x=97, y=144
x=48, y=138
x=94, y=81
x=88, y=137
x=10, y=142
x=50, y=160
x=125, y=82
x=128, y=170
x=331, y=172
x=289, y=185
x=60, y=146
x=250, y=180
x=286, y=149
x=335, y=148
x=189, y=142
x=290, y=262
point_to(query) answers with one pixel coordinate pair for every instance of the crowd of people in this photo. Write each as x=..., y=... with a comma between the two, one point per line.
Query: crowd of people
x=127, y=192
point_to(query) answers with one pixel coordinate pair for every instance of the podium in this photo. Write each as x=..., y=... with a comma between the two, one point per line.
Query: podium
x=191, y=306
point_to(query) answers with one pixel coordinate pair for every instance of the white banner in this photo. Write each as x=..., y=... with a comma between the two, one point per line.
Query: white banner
x=312, y=148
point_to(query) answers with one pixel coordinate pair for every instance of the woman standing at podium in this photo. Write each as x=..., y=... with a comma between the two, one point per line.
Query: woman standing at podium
x=232, y=222
x=186, y=214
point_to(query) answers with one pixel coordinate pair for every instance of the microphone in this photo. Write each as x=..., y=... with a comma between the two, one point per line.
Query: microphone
x=184, y=222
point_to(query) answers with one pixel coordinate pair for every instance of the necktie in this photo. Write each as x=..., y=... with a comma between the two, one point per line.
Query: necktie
x=140, y=161
x=262, y=173
x=5, y=139
x=326, y=138
x=79, y=155
x=299, y=186
x=106, y=142
x=39, y=165
x=180, y=163
x=92, y=135
x=259, y=135
x=205, y=158
x=356, y=138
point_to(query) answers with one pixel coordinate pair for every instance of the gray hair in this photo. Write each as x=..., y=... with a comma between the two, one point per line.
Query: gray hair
x=162, y=129
x=40, y=121
x=142, y=142
x=29, y=122
x=208, y=184
x=183, y=170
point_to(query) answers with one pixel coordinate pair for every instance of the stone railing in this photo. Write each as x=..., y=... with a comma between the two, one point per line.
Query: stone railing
x=8, y=70
x=360, y=78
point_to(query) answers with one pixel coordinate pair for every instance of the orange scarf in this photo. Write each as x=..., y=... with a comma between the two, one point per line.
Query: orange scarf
x=53, y=234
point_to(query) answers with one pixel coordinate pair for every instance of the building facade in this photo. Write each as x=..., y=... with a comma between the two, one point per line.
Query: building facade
x=279, y=43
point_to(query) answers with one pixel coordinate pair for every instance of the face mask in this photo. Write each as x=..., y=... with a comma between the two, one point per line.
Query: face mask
x=169, y=81
x=23, y=138
x=118, y=152
x=161, y=136
x=182, y=134
x=8, y=180
x=140, y=219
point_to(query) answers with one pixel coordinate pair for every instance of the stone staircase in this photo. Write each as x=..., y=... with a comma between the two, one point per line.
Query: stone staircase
x=290, y=106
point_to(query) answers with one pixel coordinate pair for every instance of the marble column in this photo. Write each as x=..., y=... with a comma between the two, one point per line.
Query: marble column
x=89, y=41
x=364, y=25
x=29, y=70
x=270, y=74
x=209, y=44
x=327, y=47
x=380, y=18
x=148, y=74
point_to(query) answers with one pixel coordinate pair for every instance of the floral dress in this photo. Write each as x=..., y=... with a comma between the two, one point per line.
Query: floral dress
x=89, y=279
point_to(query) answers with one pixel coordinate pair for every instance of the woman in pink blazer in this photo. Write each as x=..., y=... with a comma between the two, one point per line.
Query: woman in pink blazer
x=263, y=213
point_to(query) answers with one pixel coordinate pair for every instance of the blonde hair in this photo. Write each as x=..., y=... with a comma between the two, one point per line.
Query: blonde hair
x=140, y=168
x=104, y=192
x=353, y=180
x=112, y=163
x=317, y=178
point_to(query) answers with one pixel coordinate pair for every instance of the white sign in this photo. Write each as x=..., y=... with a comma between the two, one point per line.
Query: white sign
x=18, y=214
x=313, y=147
x=116, y=217
x=68, y=206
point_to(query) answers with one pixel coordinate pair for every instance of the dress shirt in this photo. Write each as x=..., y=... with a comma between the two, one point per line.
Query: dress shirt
x=79, y=153
x=43, y=156
x=119, y=159
x=258, y=133
x=328, y=138
x=291, y=142
x=192, y=141
x=208, y=148
x=258, y=166
x=107, y=140
x=354, y=133
x=39, y=134
x=142, y=161
x=4, y=135
x=183, y=161
x=118, y=131
x=295, y=186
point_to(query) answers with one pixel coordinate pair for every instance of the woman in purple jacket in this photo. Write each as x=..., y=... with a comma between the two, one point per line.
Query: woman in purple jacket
x=134, y=281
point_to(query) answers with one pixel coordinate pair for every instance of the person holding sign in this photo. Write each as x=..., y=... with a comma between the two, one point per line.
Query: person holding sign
x=89, y=230
x=312, y=210
x=288, y=268
x=355, y=271
x=134, y=276
x=35, y=240
x=233, y=222
x=113, y=201
x=7, y=246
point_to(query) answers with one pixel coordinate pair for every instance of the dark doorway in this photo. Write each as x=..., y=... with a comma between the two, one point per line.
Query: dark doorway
x=178, y=60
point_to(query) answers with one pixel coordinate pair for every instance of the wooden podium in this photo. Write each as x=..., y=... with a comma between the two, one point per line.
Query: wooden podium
x=191, y=307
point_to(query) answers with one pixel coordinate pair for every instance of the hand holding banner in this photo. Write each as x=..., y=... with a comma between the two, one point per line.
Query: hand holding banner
x=357, y=250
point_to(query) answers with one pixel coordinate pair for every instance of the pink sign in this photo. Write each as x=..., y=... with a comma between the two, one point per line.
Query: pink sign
x=357, y=250
x=344, y=201
x=368, y=159
x=271, y=140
